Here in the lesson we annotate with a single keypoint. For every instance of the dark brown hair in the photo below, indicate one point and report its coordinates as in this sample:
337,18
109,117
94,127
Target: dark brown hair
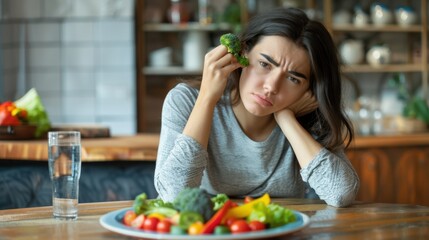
328,122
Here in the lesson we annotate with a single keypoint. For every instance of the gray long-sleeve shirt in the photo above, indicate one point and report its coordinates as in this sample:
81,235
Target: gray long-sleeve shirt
238,166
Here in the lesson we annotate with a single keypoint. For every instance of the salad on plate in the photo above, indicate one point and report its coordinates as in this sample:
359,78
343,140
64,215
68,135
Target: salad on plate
195,212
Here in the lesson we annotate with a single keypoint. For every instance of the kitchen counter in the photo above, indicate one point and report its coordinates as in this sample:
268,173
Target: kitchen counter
140,147
143,147
397,140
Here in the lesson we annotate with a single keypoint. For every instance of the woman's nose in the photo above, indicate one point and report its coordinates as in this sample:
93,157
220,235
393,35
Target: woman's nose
272,83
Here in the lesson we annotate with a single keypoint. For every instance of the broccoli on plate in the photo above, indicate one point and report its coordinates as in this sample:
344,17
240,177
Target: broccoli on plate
195,200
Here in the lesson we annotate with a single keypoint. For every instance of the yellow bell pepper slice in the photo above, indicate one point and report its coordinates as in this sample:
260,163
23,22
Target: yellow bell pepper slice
245,209
156,215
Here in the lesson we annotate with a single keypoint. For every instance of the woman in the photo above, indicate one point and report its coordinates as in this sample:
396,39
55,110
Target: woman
271,127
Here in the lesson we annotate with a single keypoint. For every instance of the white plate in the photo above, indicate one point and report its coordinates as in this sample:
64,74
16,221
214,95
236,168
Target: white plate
113,222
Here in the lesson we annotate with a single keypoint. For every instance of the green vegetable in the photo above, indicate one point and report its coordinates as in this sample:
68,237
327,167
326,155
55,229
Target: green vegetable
36,112
219,230
232,43
232,15
272,214
147,206
194,200
219,200
187,218
177,230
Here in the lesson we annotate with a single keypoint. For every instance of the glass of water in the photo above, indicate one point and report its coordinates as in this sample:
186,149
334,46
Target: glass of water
64,170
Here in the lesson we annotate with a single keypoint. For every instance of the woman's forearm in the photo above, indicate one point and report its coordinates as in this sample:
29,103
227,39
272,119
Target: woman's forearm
199,123
303,144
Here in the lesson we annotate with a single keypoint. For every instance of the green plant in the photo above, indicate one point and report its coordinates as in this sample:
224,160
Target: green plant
232,16
415,106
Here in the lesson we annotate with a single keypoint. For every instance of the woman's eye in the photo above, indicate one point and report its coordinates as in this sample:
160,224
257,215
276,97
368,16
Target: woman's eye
264,64
294,80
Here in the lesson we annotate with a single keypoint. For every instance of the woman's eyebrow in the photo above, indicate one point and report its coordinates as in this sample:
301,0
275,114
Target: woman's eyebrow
298,74
271,60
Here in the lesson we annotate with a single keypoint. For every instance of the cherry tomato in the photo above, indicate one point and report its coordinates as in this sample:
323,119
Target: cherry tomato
150,224
248,199
229,221
239,226
163,226
256,225
129,217
195,228
138,221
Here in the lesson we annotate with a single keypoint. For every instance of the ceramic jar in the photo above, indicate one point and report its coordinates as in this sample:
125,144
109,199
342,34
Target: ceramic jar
378,55
352,51
342,17
381,14
360,18
405,16
195,46
178,12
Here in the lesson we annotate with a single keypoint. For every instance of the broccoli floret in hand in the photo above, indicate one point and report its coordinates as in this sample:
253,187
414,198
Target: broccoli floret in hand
232,43
194,200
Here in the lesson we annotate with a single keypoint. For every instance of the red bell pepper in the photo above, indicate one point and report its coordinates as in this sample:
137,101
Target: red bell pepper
10,115
217,218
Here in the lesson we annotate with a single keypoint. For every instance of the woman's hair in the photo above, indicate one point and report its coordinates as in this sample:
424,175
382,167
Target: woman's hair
328,122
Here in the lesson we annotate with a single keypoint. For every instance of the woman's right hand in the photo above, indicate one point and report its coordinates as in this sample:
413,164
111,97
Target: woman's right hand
218,65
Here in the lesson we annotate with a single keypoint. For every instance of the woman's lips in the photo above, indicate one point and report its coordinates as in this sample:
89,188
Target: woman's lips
262,100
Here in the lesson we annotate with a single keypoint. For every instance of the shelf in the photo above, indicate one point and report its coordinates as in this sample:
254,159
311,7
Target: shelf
192,26
374,28
170,71
384,68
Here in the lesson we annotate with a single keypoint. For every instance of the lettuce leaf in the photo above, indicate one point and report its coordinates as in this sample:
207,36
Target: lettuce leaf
273,214
37,115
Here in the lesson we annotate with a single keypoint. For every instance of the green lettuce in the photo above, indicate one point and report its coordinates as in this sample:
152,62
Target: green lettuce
272,214
37,115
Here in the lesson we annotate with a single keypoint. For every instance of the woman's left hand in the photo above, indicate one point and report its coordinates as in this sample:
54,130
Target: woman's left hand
306,104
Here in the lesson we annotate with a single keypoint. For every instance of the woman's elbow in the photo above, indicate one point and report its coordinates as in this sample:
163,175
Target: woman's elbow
345,196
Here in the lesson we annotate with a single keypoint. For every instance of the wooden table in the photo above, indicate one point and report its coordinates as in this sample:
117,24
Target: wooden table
359,221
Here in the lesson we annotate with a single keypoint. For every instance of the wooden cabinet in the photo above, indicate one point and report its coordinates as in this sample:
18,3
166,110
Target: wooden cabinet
393,170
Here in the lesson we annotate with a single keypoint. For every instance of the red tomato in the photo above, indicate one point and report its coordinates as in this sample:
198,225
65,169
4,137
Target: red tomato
138,221
7,119
163,226
229,221
129,217
256,225
150,224
239,226
248,199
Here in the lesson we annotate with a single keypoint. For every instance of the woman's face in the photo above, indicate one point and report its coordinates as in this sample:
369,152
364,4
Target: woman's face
278,75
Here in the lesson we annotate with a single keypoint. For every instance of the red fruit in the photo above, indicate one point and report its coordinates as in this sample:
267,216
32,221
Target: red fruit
256,225
150,224
239,226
